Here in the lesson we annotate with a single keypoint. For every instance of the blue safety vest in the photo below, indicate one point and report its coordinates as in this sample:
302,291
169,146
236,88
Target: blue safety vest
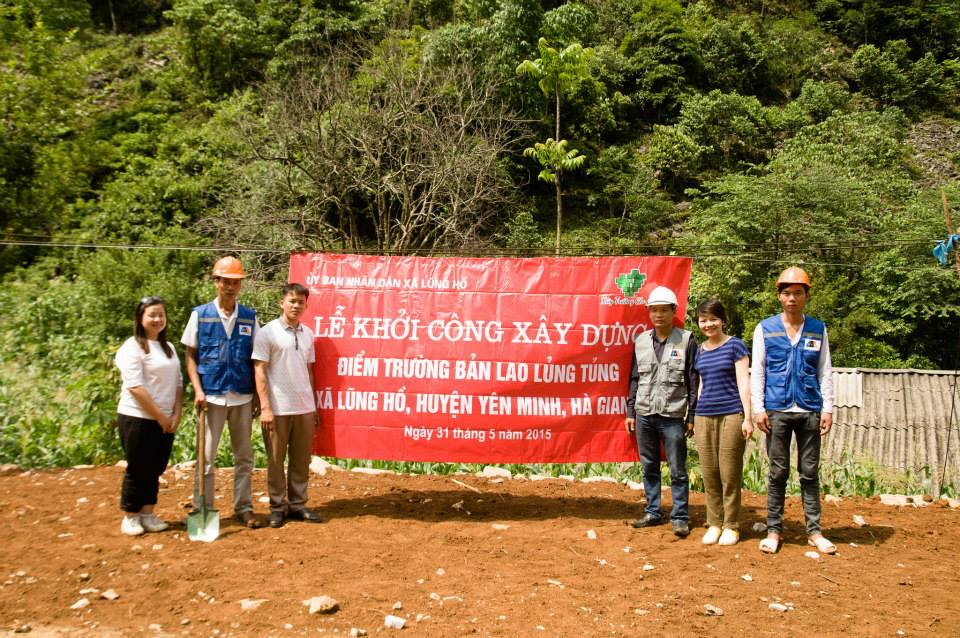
224,364
791,371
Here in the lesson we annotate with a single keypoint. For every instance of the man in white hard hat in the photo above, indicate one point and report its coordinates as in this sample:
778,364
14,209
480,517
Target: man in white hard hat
791,388
219,341
660,407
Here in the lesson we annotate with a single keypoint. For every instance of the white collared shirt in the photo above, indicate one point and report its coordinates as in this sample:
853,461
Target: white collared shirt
289,353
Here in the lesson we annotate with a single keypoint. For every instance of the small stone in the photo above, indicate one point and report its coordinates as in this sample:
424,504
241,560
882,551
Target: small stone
500,526
441,571
263,499
422,617
778,607
710,610
110,595
122,464
185,621
854,545
320,467
22,629
833,499
434,596
633,485
812,554
859,521
157,547
592,535
648,567
494,472
288,626
795,583
640,612
20,573
371,471
747,577
83,576
397,606
89,590
394,622
759,527
457,506
249,604
322,605
80,604
356,631
82,500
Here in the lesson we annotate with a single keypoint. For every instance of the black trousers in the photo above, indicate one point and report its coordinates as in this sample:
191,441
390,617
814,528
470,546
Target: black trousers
147,450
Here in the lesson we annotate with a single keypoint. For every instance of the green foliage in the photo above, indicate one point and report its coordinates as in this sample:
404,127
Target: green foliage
223,41
891,78
554,157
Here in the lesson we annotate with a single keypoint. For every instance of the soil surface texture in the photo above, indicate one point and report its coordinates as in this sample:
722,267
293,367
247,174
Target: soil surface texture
460,556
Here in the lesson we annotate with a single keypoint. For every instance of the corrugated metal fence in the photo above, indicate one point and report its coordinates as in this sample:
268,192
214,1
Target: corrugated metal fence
898,419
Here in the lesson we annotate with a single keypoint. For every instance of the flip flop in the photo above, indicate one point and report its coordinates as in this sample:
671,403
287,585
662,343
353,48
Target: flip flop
770,545
823,545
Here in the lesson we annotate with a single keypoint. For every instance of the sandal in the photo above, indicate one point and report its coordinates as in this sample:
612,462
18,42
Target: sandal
771,544
823,545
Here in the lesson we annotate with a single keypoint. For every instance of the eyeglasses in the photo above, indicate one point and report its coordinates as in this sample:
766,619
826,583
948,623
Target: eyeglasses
151,300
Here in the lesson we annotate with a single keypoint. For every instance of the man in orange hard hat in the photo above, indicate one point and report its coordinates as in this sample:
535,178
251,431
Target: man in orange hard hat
219,340
791,389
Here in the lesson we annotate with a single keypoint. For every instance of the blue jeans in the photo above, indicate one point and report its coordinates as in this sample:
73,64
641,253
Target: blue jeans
806,427
672,431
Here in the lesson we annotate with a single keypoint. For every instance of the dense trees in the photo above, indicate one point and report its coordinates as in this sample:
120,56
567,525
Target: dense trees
748,136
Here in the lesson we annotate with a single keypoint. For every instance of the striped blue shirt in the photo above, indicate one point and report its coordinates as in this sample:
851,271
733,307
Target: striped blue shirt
718,378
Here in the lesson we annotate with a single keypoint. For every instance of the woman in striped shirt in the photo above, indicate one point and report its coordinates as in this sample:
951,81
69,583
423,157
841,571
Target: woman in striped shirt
722,421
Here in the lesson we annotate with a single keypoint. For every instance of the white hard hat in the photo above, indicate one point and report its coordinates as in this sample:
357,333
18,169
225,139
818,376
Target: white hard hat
662,295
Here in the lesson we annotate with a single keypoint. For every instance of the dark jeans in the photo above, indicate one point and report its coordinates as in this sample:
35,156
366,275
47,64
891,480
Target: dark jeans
672,431
806,427
147,450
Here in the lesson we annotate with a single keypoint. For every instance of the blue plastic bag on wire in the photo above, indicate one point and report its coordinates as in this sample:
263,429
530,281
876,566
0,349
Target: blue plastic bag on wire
943,247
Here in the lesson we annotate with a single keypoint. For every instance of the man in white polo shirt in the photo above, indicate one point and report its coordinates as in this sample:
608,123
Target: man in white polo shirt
283,358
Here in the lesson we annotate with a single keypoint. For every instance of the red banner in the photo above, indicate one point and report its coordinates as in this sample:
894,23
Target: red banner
478,360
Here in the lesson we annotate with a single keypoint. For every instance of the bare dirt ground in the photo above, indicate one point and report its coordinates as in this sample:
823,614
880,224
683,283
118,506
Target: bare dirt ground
512,559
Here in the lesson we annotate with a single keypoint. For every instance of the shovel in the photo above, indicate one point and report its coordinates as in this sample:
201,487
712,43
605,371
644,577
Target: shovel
202,524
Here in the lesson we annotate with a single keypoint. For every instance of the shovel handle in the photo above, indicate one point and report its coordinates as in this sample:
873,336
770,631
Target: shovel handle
201,465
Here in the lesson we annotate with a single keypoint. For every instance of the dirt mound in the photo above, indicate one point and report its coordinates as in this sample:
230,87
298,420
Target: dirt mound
513,558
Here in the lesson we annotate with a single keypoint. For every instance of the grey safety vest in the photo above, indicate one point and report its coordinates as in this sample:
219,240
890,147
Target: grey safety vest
661,387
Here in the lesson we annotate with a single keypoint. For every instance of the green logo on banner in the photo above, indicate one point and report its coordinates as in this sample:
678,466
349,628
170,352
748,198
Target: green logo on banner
630,283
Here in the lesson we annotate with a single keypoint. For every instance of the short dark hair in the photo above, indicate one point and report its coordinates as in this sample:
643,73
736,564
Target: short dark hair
712,307
295,288
787,284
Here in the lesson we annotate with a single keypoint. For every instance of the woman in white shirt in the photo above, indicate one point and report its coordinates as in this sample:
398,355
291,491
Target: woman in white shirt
148,414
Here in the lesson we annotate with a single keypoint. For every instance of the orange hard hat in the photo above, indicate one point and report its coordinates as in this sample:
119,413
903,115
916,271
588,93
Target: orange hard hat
793,275
228,268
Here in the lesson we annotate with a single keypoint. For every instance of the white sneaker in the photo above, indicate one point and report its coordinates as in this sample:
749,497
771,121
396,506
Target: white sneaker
152,523
711,536
729,537
131,525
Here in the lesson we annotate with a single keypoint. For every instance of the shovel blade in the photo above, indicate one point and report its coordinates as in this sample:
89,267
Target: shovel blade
203,525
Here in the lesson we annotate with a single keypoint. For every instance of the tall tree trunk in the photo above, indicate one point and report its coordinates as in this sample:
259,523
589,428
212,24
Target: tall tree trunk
557,120
556,179
559,211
